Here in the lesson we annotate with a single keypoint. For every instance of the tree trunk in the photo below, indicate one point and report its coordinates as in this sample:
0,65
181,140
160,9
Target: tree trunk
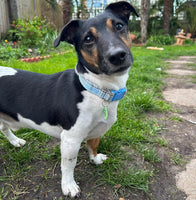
167,14
66,7
145,9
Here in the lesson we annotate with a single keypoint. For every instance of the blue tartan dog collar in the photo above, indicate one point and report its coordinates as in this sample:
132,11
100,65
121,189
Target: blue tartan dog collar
106,94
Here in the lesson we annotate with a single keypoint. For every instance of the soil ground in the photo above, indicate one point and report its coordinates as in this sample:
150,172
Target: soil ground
179,129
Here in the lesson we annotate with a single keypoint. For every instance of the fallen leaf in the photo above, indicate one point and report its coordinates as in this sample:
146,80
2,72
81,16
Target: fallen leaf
118,186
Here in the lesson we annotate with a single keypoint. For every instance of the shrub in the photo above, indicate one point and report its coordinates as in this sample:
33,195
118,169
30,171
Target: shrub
29,32
159,40
189,42
24,35
7,51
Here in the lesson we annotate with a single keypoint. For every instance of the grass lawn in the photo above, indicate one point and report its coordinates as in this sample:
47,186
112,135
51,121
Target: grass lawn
130,144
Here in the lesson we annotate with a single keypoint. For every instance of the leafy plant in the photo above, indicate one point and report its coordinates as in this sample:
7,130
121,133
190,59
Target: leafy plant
7,51
160,40
29,32
27,37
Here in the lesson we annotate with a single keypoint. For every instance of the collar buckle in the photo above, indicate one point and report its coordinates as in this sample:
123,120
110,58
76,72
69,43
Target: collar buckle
117,95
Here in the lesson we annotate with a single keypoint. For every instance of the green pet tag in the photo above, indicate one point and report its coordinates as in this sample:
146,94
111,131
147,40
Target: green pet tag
105,112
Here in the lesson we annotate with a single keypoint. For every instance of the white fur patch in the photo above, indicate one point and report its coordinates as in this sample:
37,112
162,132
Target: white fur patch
91,123
44,127
7,71
114,82
99,158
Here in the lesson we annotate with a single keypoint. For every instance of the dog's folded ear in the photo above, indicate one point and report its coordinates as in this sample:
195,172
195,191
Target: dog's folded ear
122,9
68,33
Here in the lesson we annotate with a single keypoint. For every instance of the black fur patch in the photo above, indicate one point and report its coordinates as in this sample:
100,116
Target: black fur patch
42,98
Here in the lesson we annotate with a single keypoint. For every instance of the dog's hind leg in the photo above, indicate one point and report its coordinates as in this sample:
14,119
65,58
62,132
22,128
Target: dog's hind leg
15,141
92,146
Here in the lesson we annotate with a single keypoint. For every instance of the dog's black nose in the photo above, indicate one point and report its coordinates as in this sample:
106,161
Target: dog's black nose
117,56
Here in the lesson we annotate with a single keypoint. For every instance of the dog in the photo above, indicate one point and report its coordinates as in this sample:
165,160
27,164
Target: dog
78,104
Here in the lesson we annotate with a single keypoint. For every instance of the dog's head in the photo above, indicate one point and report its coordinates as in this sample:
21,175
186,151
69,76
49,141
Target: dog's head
102,43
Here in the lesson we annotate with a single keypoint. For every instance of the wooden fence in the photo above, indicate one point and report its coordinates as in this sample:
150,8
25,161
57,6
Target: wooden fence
4,18
13,9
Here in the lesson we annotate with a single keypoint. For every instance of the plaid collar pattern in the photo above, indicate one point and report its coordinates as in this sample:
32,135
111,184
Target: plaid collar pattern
106,94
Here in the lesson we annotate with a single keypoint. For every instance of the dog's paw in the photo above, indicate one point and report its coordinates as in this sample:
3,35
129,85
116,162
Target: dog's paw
71,189
17,142
99,158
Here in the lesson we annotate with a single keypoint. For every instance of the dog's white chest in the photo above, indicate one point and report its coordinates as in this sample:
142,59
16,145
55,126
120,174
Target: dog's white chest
92,117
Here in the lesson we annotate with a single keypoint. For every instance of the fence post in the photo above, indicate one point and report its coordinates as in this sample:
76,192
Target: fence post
7,14
4,17
35,8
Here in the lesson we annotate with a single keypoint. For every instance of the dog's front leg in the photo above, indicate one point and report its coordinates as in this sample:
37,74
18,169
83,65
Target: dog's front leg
69,151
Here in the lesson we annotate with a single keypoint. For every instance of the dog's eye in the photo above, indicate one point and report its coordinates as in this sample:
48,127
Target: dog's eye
89,39
119,26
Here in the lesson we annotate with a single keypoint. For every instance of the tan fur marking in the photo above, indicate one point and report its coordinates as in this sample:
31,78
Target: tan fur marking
91,59
109,24
94,32
93,144
130,40
127,41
